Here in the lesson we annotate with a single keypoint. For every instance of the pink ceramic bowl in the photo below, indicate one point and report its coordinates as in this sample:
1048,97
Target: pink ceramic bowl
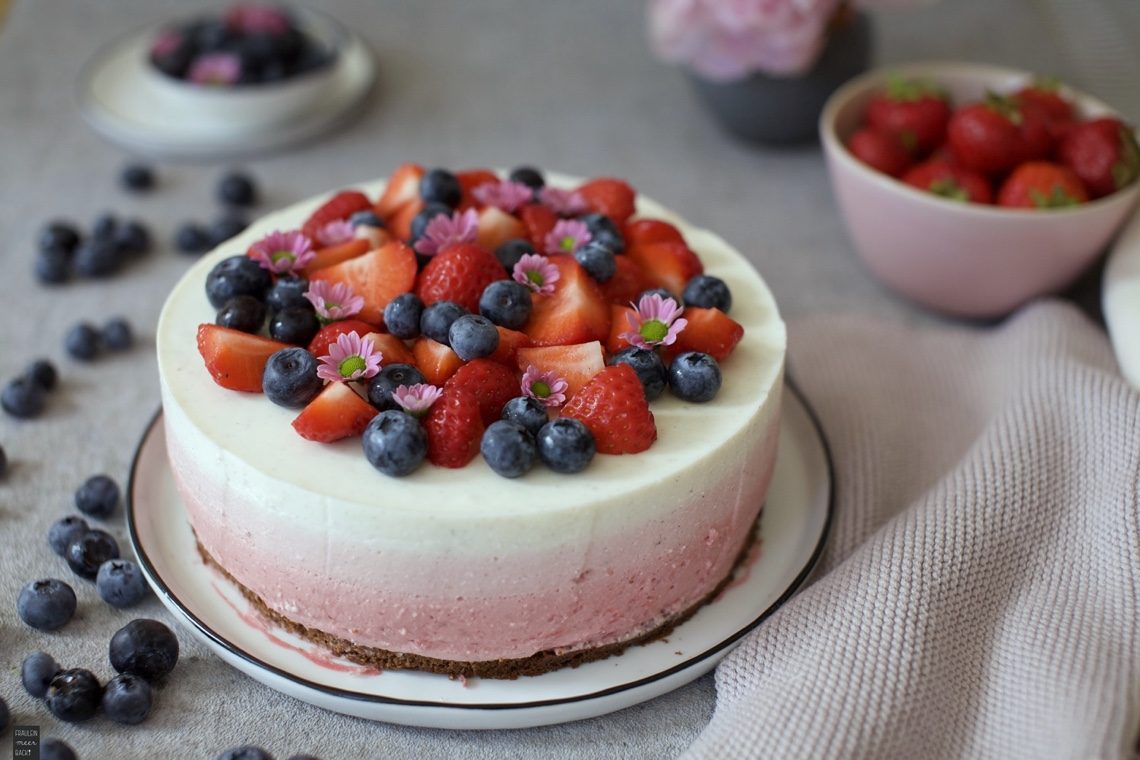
964,259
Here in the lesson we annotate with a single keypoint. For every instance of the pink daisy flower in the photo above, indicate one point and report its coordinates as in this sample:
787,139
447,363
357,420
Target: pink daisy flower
545,387
563,202
335,233
506,195
350,358
443,231
215,69
537,273
416,399
567,236
283,252
333,301
656,322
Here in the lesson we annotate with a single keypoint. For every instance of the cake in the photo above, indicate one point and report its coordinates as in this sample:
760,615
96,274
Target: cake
460,570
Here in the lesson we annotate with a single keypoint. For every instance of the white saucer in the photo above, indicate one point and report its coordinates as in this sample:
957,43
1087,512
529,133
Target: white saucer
793,529
117,98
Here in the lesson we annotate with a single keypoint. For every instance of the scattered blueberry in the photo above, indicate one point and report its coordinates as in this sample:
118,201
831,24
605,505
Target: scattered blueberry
390,377
402,316
430,211
236,276
603,230
46,604
192,237
508,253
64,531
59,235
117,334
74,695
566,445
296,325
290,378
527,175
473,336
36,673
137,177
288,292
508,448
225,227
98,257
56,749
395,443
441,186
243,313
237,189
5,716
22,398
707,292
105,227
694,376
127,699
648,366
3,462
133,238
53,266
82,342
657,291
43,373
366,219
245,752
597,260
88,552
435,322
120,583
507,303
146,648
98,496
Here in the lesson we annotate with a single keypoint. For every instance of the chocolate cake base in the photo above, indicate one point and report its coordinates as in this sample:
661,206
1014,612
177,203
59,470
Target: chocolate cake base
536,664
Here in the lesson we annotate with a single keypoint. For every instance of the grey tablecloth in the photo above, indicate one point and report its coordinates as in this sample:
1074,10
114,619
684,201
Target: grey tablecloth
497,82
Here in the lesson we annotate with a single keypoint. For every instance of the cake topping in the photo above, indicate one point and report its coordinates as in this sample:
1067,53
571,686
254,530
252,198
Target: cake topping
350,358
567,236
283,252
506,195
656,321
336,232
545,387
563,202
444,230
333,301
537,273
215,69
416,399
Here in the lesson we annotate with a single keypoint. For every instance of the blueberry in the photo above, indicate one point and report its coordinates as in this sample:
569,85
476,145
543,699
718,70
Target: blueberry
508,253
435,322
243,313
365,219
707,292
694,376
192,237
117,334
120,583
5,716
74,695
648,366
145,648
46,604
236,276
64,531
402,316
97,257
225,227
237,189
296,325
22,398
3,462
603,230
212,34
98,496
53,266
36,673
82,341
441,186
473,336
133,238
43,373
288,292
430,211
127,699
395,443
597,260
56,749
88,552
290,378
657,291
245,752
137,177
507,303
566,445
390,377
60,235
508,448
527,175
105,227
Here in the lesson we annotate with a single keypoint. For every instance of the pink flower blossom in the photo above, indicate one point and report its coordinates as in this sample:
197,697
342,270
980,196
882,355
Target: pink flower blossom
350,358
166,42
563,202
333,301
335,233
416,399
656,322
215,69
506,195
536,272
258,18
567,236
283,252
444,230
545,387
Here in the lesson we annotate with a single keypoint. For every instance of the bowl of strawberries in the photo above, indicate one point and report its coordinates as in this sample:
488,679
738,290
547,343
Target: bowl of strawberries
972,189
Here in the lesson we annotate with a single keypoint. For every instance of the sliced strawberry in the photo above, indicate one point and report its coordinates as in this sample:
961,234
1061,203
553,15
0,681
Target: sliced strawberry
377,276
576,312
235,359
453,428
403,186
510,341
471,179
619,323
609,196
709,330
651,231
492,384
436,361
327,335
497,226
337,412
392,349
337,208
628,282
667,265
335,254
613,406
539,220
400,222
459,273
576,364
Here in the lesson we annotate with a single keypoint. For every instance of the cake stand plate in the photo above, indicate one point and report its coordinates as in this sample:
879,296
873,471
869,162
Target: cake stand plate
793,529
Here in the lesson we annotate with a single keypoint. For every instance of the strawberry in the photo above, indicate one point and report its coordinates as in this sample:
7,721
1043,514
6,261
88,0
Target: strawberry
628,282
496,227
492,384
950,181
913,112
576,364
575,312
377,276
613,406
510,341
651,231
468,181
337,208
392,349
403,186
709,330
1044,96
609,196
1103,153
436,361
335,254
235,359
400,222
454,428
539,220
337,412
459,273
881,151
618,324
993,136
1040,184
666,265
327,335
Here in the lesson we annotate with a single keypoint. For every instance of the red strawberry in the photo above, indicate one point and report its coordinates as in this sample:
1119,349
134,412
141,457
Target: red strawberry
609,196
709,330
628,282
914,112
337,208
881,151
471,179
435,360
235,359
327,335
575,312
510,341
335,254
337,412
400,221
403,186
651,231
618,324
576,364
377,276
539,220
492,384
950,181
613,406
994,136
453,428
496,227
1103,153
1040,184
459,273
1044,96
666,265
392,349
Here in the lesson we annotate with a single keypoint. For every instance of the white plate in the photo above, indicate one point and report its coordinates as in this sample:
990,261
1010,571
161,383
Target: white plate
116,97
793,529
